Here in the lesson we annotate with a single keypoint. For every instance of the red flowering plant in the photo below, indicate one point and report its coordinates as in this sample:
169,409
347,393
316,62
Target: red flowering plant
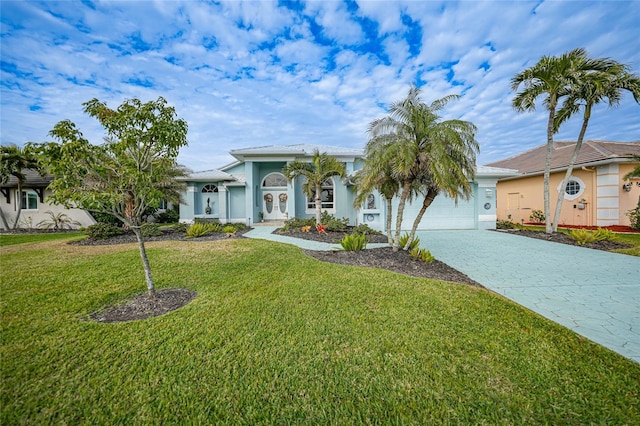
321,229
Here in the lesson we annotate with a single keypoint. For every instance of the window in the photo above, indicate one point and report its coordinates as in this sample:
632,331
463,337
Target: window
326,196
574,189
209,188
29,200
163,205
274,180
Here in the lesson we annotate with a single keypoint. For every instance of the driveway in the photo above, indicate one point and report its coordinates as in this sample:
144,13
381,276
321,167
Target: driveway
594,293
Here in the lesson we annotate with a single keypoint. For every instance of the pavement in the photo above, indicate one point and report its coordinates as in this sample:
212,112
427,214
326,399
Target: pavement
592,292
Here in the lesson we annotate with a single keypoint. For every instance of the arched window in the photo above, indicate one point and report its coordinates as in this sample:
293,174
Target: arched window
326,196
274,180
209,188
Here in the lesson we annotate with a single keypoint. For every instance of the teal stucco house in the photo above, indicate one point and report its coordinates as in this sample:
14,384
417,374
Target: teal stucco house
253,188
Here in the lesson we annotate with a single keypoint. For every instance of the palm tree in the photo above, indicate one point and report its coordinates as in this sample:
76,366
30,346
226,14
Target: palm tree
424,154
551,77
315,173
593,88
13,162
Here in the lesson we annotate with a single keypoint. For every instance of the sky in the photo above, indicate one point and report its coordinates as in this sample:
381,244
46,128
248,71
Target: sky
255,73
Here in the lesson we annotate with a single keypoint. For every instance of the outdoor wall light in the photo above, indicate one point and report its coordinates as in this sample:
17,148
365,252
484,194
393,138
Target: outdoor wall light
627,186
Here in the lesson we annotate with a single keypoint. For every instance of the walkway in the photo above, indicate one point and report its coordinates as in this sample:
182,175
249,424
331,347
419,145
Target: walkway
592,292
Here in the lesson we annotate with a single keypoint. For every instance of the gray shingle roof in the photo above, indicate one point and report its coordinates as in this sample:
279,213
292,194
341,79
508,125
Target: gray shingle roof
33,180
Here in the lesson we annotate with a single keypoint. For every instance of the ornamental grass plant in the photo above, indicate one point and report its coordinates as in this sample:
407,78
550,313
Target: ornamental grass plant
276,337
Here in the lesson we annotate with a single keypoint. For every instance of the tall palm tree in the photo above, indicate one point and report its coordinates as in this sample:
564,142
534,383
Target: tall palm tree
315,173
14,161
425,154
591,89
551,77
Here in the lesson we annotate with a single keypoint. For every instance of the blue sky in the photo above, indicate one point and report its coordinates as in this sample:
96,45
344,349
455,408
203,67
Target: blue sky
246,74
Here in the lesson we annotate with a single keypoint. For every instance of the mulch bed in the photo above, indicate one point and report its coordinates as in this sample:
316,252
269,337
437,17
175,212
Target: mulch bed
142,306
560,237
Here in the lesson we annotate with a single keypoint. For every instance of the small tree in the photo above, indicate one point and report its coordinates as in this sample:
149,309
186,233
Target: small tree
135,168
13,162
321,168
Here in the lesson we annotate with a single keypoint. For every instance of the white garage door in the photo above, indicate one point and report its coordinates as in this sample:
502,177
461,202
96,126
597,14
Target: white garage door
442,214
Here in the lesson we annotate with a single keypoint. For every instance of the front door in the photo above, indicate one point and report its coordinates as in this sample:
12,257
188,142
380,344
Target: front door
274,204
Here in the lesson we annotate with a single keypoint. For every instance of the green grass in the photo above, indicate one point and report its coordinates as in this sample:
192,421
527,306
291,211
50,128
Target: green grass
275,337
10,239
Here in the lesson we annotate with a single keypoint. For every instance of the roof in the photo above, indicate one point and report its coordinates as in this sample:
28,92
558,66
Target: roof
209,176
296,150
487,171
592,151
33,180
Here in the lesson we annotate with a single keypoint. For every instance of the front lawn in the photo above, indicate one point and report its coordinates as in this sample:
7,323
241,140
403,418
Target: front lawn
276,337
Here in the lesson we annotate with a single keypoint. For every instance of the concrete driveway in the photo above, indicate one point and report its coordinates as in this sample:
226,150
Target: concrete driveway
594,293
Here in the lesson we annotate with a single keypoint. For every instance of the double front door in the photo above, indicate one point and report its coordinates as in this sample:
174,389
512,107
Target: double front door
274,204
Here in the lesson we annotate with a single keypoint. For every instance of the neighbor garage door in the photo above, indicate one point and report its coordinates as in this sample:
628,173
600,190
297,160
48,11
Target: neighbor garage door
442,214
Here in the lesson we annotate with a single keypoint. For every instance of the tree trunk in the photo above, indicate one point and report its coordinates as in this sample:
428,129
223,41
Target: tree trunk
389,217
4,220
145,262
428,199
18,204
567,175
547,166
318,200
406,187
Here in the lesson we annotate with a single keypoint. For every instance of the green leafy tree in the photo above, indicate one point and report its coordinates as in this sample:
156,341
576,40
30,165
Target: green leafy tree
134,169
321,168
553,77
424,154
593,87
14,161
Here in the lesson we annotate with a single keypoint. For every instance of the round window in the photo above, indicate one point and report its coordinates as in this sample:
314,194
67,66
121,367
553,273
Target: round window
573,187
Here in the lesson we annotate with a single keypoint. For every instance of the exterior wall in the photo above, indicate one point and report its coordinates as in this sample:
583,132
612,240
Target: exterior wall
29,218
631,199
237,210
602,201
486,203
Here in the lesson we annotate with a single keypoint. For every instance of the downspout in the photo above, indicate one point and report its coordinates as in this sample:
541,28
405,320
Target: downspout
594,210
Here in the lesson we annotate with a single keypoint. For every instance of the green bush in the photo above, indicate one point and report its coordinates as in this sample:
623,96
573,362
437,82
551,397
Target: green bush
168,216
634,217
201,229
332,224
229,229
296,223
239,226
422,255
364,229
149,229
102,231
505,224
181,227
582,236
106,218
354,242
603,234
537,216
403,242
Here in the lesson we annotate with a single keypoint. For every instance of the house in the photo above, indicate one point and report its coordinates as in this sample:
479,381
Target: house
253,188
596,194
34,205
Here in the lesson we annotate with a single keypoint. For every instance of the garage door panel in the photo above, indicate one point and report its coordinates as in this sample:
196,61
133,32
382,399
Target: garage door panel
442,214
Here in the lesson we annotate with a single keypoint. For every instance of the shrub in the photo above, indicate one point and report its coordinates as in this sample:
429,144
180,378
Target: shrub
57,221
168,216
106,218
229,229
102,231
297,223
505,224
239,226
634,217
537,216
582,236
403,242
201,229
422,255
149,229
305,228
603,234
354,242
180,227
332,224
364,229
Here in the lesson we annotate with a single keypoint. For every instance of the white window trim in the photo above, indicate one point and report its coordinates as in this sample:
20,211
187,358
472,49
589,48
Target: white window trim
312,202
262,184
577,194
19,200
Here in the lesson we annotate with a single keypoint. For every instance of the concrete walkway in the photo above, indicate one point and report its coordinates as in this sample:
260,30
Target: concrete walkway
592,292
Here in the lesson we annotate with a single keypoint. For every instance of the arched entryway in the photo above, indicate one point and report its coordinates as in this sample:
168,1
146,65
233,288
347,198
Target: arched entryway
274,197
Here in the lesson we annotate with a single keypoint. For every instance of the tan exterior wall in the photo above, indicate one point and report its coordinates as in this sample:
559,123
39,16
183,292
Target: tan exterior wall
601,202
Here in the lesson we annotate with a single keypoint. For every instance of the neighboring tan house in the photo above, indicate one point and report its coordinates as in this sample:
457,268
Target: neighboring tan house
34,205
253,188
596,194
